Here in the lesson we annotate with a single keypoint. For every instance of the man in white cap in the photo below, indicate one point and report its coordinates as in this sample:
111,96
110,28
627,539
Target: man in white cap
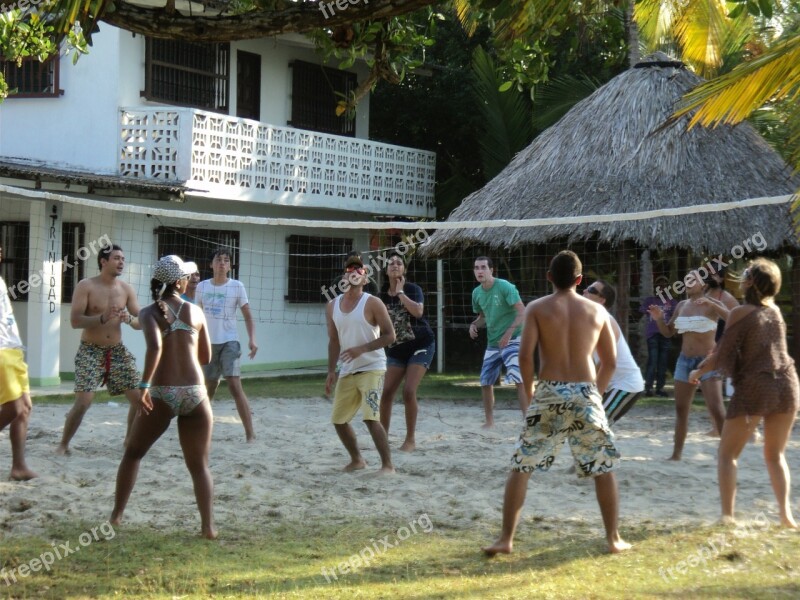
100,305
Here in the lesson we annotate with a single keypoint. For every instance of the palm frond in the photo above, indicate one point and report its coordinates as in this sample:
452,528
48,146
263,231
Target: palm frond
555,98
468,15
656,20
507,116
731,98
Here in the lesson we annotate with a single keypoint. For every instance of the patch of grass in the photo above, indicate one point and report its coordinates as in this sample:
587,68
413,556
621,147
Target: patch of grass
552,559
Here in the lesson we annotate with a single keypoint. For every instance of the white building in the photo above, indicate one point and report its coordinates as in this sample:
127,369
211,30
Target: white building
172,147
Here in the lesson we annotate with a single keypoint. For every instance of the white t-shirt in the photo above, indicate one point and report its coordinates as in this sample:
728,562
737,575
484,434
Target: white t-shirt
9,333
220,303
627,377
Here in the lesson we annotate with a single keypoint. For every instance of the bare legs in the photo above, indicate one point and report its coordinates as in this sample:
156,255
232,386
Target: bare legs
348,437
734,436
16,415
194,431
777,429
684,394
239,397
487,394
394,376
514,498
83,400
712,394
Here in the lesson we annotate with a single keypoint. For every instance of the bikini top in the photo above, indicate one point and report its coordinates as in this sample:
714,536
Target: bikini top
177,324
696,324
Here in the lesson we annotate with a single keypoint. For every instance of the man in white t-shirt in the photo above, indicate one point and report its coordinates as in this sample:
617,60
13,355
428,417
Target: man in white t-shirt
15,397
220,297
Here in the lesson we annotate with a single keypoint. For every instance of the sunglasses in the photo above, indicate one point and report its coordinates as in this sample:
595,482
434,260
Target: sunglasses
354,268
592,290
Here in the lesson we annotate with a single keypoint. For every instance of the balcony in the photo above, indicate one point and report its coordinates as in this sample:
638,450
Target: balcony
240,159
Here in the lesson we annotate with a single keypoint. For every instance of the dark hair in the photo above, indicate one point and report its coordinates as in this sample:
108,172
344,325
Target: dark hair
158,296
391,254
222,251
105,253
713,283
564,269
488,260
608,293
766,281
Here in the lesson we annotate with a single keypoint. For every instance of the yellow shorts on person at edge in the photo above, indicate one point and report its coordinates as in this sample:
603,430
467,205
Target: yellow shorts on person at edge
359,390
13,375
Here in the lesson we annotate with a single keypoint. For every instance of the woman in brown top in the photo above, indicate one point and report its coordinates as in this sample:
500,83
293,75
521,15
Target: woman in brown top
753,351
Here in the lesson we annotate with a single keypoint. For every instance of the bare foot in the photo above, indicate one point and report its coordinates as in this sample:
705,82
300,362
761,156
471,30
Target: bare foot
209,534
251,439
488,425
355,465
386,471
727,520
499,547
618,546
22,474
408,446
675,458
63,450
789,523
115,519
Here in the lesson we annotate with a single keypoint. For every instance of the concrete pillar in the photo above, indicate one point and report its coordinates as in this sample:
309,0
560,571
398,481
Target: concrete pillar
44,298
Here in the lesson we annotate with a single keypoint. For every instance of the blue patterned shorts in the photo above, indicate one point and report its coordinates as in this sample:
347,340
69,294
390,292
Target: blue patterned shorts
566,411
495,358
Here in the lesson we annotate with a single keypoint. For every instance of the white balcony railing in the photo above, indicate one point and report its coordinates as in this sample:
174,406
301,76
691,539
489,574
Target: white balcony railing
233,158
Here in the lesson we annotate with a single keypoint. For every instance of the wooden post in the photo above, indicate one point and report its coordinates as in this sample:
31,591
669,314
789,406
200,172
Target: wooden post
795,254
623,288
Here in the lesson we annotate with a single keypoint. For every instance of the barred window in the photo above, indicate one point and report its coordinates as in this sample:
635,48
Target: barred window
315,263
73,238
14,239
192,74
316,90
197,245
33,79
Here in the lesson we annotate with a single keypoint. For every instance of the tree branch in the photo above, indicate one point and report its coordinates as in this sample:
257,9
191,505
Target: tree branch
299,18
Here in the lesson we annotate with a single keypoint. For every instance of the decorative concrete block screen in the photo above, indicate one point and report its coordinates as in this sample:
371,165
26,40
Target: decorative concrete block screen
240,158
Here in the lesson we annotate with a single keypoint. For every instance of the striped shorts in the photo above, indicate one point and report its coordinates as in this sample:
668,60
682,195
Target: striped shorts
618,402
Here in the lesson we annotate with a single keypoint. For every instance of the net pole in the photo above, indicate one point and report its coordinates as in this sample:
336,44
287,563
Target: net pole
440,316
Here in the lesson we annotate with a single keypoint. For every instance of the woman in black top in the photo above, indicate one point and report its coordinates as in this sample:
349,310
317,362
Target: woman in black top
412,353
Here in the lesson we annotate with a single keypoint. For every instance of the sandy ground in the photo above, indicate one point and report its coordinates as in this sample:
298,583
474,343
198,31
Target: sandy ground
291,472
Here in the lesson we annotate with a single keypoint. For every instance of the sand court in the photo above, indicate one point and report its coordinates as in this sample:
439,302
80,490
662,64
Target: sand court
291,472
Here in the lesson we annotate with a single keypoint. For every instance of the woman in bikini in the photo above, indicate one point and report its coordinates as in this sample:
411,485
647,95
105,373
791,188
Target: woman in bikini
177,344
753,351
696,320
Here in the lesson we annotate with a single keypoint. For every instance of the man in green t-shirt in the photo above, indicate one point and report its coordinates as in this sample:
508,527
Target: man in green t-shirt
500,308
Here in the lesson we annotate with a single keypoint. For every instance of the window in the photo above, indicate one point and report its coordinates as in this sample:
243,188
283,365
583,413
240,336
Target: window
187,73
315,263
14,238
33,79
198,245
315,92
74,269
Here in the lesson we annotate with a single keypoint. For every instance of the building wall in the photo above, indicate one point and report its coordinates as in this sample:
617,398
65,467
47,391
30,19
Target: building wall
80,129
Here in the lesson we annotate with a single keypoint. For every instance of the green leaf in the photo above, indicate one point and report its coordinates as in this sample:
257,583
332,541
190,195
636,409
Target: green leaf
766,8
738,10
506,86
752,8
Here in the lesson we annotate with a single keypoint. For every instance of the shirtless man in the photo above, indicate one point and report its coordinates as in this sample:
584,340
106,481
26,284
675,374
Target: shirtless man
359,328
100,305
567,329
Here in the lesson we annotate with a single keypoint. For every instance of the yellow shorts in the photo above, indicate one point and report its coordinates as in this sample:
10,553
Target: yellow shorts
359,390
13,375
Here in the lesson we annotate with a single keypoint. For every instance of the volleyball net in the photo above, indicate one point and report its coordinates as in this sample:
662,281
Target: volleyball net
291,267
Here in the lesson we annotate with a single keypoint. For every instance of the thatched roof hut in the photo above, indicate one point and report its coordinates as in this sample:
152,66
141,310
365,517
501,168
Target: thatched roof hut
611,154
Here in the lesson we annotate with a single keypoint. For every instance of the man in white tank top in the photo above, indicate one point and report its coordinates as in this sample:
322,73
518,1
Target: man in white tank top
359,328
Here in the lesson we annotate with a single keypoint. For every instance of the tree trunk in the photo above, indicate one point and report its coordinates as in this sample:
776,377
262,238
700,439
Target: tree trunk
633,35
